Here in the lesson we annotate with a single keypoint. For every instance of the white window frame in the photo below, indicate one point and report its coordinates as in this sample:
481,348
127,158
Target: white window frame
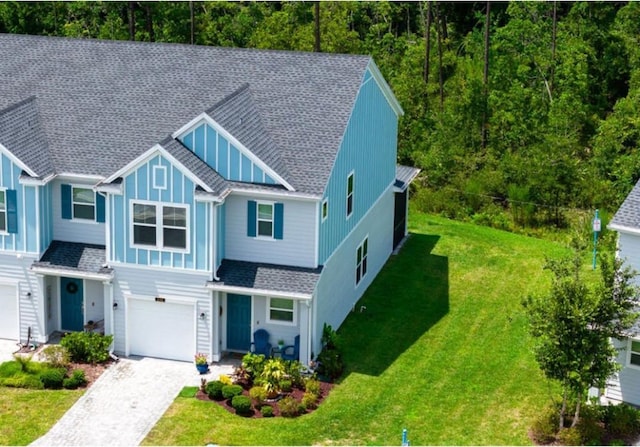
364,261
156,169
323,207
258,220
351,194
6,222
281,322
73,203
160,226
631,351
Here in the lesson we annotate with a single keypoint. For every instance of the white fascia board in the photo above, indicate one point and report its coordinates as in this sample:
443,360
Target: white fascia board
146,156
202,196
276,195
17,161
72,273
71,177
31,181
262,292
385,88
624,229
407,183
204,117
110,188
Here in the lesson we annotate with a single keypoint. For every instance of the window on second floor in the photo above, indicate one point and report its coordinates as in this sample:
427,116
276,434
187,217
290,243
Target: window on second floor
83,203
265,219
325,209
160,226
3,212
634,353
350,187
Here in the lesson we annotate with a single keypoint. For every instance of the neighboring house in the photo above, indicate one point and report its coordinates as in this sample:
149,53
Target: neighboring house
182,197
625,385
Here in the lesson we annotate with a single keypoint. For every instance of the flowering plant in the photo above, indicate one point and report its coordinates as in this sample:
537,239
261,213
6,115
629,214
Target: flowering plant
201,359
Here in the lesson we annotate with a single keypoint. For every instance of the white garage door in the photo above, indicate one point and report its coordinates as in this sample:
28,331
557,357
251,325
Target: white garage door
165,330
9,312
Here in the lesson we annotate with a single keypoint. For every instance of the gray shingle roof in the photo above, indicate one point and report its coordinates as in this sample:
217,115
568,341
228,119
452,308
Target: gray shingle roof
103,103
628,214
276,278
404,176
21,132
74,257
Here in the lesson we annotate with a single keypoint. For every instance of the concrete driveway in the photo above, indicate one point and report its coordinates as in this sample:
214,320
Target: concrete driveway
7,348
126,402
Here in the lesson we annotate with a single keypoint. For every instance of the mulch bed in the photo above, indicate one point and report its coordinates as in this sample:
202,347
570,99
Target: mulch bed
297,394
91,372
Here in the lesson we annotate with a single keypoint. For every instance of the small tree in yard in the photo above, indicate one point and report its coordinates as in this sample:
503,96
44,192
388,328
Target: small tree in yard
573,324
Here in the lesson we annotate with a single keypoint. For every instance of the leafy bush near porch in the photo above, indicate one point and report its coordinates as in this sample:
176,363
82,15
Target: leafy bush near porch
53,378
87,347
56,356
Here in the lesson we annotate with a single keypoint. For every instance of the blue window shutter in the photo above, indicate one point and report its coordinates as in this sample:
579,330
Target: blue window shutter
278,217
65,200
12,211
99,208
251,218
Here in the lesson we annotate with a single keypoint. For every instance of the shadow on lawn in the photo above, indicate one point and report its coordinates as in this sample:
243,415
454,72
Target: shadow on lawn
409,296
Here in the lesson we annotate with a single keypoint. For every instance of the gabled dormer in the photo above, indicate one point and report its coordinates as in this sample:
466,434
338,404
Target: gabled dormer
230,137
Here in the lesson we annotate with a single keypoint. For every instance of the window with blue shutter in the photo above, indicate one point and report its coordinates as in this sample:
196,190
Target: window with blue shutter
100,208
12,211
278,218
65,201
251,218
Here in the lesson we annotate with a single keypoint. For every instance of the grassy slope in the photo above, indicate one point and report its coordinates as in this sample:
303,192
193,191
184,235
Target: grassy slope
441,350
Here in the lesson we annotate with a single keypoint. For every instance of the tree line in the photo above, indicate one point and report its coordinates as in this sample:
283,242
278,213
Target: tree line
516,112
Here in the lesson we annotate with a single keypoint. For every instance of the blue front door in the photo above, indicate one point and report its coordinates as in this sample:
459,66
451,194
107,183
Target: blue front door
71,297
238,322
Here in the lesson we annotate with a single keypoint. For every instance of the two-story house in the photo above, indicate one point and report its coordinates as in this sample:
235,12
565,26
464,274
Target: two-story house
182,197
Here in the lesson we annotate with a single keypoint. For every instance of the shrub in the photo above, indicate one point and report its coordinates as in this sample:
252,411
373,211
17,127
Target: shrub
214,390
267,411
545,426
621,421
286,385
229,391
56,356
87,347
52,377
24,361
590,426
242,404
312,386
569,436
259,394
293,370
77,379
272,374
23,381
330,363
289,407
10,369
309,401
225,379
252,365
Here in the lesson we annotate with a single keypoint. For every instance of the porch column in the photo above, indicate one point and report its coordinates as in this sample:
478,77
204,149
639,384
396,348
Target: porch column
215,326
305,332
43,335
108,309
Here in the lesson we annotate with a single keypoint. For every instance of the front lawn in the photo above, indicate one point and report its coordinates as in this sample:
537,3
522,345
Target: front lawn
25,415
441,350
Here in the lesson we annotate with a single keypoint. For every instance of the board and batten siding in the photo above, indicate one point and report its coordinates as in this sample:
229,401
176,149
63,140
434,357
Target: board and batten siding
228,160
368,149
298,236
337,293
74,230
46,216
25,237
220,236
162,283
178,189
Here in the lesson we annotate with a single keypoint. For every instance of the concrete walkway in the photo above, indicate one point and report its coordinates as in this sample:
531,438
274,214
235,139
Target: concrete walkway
124,404
7,348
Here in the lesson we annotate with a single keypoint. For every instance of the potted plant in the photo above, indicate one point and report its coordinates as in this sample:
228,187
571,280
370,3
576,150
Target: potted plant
280,344
202,365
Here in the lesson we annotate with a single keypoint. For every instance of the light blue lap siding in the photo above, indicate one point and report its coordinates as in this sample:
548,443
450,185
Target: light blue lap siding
176,189
369,150
222,156
26,237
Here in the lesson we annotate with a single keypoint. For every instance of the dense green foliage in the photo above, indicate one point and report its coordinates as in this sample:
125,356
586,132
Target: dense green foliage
553,128
87,347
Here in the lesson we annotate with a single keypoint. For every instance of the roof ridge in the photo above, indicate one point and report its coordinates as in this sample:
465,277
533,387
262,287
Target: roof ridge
228,98
18,104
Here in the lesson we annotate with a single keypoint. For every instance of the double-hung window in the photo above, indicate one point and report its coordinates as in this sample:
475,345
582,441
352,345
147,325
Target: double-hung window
265,219
281,310
83,201
160,226
634,353
350,186
325,209
3,212
361,260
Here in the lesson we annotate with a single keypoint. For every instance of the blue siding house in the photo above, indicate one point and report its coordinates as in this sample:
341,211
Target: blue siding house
183,197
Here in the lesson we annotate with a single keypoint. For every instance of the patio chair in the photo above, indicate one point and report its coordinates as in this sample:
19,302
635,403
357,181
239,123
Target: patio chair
292,352
260,344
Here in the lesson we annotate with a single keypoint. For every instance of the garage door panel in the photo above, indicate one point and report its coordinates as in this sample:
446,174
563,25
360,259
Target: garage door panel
8,312
165,330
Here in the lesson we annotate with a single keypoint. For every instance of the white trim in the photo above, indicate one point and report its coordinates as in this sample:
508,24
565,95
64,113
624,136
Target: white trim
624,229
275,195
207,197
107,224
37,205
173,299
194,123
628,360
15,284
353,194
52,271
213,247
262,292
10,155
71,177
294,312
362,259
156,169
384,87
159,226
316,237
122,264
273,220
5,232
322,205
95,204
35,181
109,188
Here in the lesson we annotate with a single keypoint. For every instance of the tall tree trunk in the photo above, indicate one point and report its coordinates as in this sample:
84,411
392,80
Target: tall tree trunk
576,416
192,34
132,20
563,409
149,17
485,77
316,28
553,47
441,74
427,43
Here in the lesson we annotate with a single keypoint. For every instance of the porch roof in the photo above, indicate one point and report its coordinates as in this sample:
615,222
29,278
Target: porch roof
74,259
404,176
268,279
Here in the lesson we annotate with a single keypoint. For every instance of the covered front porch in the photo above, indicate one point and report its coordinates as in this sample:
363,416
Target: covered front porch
76,289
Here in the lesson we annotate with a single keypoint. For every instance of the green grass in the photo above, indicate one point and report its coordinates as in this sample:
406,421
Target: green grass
442,350
25,415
